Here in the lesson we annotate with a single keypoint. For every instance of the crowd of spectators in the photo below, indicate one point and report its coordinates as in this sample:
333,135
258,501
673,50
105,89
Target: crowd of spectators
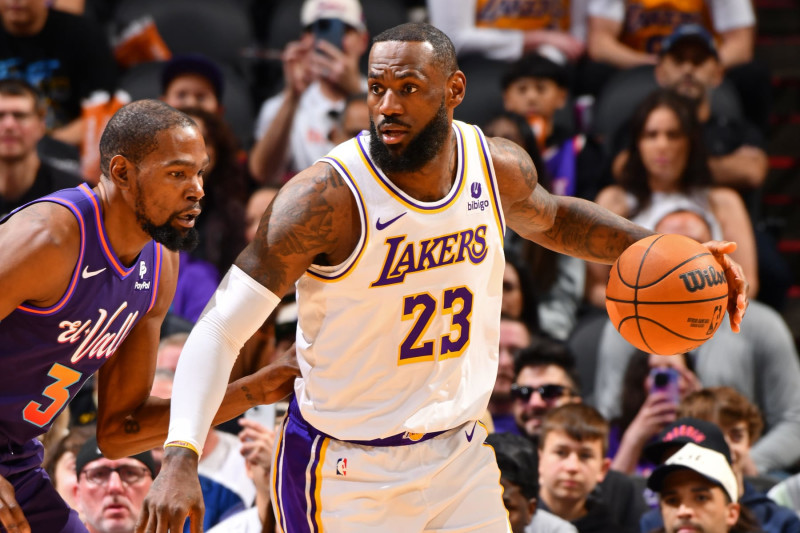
655,110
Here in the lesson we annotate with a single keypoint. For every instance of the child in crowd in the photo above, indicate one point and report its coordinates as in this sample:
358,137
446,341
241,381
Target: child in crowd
537,88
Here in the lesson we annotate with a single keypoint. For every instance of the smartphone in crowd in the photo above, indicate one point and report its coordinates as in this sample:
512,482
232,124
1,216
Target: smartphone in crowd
263,414
331,30
665,379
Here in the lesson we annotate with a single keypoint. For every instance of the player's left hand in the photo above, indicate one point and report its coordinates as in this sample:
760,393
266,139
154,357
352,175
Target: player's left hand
174,495
738,286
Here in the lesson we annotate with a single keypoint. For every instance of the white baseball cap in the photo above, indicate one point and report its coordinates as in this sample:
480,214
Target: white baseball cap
348,11
710,464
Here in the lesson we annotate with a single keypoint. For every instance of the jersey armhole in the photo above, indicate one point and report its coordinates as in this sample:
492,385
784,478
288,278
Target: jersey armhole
340,271
43,311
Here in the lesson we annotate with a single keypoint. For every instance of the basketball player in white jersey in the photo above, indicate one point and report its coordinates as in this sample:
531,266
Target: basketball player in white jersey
395,242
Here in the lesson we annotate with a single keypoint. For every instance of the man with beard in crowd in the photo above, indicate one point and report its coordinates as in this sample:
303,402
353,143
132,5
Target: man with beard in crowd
87,277
395,242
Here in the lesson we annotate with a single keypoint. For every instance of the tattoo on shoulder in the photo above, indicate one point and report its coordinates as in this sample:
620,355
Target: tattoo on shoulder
303,226
511,153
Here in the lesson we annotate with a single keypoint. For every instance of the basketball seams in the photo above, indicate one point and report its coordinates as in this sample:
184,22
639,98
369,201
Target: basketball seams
636,308
662,326
673,302
636,291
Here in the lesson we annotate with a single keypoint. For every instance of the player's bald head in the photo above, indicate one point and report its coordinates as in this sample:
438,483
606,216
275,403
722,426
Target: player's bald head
133,130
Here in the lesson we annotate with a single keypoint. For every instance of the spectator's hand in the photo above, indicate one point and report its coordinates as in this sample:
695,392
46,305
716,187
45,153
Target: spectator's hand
331,64
656,412
297,71
737,283
749,467
257,443
566,43
690,382
10,512
174,495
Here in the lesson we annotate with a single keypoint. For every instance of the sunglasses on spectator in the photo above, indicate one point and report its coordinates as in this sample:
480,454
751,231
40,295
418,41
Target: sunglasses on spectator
129,474
547,392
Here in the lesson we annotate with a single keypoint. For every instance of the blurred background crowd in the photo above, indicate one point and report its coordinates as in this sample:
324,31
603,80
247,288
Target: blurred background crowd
680,115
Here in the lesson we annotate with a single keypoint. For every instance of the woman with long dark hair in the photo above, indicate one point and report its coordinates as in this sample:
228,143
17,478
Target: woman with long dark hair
666,170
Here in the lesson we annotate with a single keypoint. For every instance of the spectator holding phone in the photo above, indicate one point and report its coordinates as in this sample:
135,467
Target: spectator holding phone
320,71
653,388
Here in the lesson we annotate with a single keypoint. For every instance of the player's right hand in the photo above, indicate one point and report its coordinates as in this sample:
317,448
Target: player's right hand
10,512
174,495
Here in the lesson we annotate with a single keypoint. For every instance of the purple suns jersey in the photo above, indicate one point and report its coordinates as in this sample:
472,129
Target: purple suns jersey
48,353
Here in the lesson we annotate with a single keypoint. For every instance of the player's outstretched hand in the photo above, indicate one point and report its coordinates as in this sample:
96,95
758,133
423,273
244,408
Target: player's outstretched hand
10,512
737,283
174,495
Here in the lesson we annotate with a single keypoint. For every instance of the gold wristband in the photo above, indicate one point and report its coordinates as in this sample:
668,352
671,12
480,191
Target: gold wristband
181,444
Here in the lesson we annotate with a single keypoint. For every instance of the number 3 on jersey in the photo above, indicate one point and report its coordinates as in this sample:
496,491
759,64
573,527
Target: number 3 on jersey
57,391
456,301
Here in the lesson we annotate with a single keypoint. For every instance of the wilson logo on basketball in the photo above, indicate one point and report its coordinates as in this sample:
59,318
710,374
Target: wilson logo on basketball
699,279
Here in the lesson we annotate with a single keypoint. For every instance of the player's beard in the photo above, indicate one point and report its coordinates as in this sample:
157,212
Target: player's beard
167,234
420,150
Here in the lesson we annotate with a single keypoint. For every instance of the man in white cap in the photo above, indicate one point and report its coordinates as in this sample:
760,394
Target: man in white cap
320,71
698,492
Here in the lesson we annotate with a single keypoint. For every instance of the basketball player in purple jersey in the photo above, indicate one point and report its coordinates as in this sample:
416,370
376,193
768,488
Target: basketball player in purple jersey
394,241
87,276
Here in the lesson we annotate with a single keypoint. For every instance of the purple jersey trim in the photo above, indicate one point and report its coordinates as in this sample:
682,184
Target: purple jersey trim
400,439
121,271
492,177
157,276
297,479
447,200
74,281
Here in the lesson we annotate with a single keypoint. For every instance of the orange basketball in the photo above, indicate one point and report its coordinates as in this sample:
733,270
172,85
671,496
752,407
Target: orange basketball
666,294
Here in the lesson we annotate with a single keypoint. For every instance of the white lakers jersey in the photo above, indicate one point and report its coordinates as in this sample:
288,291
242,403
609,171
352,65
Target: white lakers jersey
403,336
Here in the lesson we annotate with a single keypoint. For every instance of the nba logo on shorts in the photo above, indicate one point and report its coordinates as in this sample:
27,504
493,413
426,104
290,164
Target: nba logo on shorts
475,190
142,269
341,467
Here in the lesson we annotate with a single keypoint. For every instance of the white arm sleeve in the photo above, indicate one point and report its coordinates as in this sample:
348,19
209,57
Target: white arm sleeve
238,308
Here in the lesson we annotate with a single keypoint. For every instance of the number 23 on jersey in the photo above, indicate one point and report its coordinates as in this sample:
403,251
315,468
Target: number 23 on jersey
417,345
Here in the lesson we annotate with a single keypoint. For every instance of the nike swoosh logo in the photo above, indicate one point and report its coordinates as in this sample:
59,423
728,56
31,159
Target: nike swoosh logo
383,225
86,274
471,433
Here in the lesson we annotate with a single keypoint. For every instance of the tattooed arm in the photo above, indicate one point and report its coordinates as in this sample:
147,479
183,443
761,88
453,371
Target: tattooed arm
565,224
313,219
130,420
584,229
